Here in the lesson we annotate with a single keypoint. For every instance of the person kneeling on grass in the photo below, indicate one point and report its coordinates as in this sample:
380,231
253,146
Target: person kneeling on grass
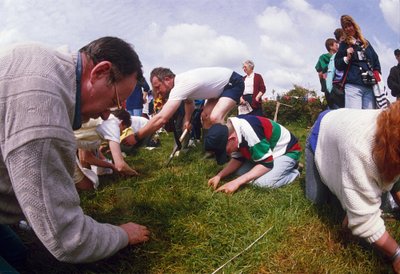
262,151
89,138
355,155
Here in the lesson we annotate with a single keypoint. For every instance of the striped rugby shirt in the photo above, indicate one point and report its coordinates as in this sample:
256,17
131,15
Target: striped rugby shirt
260,140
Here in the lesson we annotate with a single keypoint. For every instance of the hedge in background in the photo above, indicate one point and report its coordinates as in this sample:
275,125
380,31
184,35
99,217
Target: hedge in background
304,107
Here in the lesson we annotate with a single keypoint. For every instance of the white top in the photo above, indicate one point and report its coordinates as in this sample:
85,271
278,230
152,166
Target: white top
344,160
109,129
249,84
138,122
200,83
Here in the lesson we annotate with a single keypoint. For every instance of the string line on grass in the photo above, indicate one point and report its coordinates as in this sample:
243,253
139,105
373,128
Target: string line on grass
240,253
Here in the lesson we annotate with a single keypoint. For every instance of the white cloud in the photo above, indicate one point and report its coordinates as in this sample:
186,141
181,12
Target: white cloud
200,45
391,13
288,41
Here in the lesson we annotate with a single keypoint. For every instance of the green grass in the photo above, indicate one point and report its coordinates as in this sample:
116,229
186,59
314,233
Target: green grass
194,230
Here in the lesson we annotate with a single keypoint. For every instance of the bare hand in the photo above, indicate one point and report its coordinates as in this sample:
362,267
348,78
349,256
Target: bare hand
229,188
350,52
242,101
214,181
136,233
187,126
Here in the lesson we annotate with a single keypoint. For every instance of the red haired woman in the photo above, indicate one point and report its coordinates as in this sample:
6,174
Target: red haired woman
355,155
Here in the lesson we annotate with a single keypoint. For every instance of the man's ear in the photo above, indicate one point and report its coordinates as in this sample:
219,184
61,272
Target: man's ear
101,70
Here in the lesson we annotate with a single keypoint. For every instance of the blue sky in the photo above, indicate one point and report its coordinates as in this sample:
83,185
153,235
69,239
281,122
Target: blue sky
283,38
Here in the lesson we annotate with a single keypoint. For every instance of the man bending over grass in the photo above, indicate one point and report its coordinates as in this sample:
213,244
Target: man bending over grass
262,151
222,88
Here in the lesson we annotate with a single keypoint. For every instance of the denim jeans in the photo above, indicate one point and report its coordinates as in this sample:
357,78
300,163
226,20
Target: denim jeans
283,172
316,191
359,97
135,112
12,250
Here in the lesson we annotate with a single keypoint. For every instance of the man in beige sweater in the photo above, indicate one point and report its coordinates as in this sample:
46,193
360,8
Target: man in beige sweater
44,95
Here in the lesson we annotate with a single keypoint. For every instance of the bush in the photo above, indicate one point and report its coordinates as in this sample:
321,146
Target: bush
299,105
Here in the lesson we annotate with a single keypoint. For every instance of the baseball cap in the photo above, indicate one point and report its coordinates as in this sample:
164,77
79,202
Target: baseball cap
397,52
216,140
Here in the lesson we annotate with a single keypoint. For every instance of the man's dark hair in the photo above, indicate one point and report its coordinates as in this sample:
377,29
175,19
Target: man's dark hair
161,73
123,116
123,57
329,42
397,52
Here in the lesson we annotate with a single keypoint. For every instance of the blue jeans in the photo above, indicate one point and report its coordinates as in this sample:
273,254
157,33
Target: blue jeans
359,97
135,112
12,250
316,191
283,172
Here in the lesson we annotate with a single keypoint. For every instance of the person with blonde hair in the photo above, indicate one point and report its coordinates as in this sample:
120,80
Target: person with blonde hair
360,63
357,168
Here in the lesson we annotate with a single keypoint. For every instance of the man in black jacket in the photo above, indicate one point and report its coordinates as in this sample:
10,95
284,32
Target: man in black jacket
393,80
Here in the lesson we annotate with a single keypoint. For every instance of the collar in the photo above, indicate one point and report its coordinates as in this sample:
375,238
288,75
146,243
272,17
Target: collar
236,126
77,116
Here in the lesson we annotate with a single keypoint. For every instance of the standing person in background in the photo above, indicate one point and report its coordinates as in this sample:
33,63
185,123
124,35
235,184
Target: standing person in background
254,88
148,106
321,67
358,56
138,97
44,95
393,80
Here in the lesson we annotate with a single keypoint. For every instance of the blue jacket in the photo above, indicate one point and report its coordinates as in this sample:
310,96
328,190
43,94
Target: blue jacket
357,62
135,100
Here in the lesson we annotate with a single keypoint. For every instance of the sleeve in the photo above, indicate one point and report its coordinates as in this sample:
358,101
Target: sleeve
41,175
145,86
376,65
361,198
364,215
341,53
393,82
261,153
318,67
261,87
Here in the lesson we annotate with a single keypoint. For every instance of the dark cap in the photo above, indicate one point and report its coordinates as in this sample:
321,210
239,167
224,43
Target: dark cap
397,52
216,140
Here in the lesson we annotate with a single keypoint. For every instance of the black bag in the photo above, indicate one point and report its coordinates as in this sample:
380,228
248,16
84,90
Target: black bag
337,94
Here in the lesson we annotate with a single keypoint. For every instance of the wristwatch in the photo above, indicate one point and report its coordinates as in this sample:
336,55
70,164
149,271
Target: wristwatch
136,135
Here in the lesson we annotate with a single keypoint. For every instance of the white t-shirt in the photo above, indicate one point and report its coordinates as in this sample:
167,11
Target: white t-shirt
201,83
109,129
138,122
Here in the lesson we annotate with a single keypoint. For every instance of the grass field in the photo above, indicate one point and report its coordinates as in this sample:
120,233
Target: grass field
195,230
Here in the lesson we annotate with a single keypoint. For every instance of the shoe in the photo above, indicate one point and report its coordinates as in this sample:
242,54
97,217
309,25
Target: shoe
191,143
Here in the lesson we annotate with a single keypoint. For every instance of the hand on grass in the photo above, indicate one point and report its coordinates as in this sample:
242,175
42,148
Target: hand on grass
229,188
214,181
136,233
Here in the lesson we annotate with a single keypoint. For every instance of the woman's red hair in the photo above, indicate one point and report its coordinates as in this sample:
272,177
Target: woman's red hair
386,151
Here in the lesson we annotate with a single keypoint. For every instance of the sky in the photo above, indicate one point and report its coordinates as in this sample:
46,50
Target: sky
283,38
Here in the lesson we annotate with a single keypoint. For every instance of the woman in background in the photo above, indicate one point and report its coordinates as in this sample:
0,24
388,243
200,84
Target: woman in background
358,59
